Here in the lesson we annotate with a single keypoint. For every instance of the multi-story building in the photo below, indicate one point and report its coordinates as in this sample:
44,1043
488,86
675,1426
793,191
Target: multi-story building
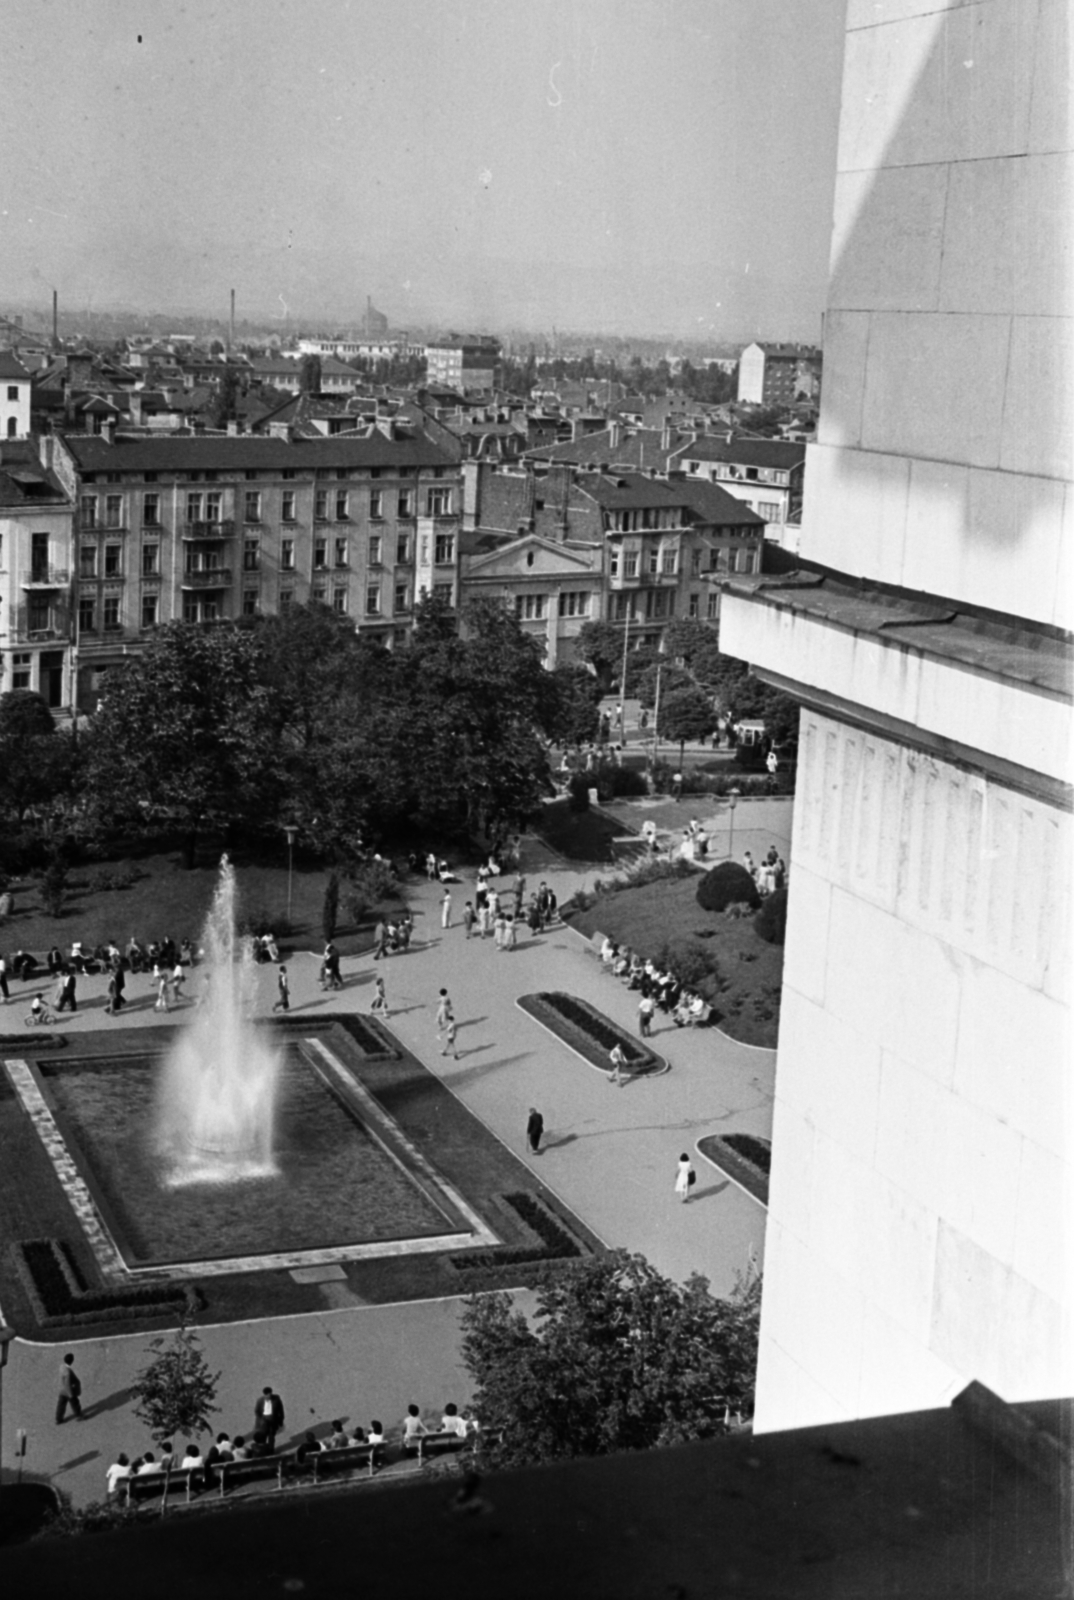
777,374
208,527
919,1229
464,363
552,586
14,397
36,580
766,474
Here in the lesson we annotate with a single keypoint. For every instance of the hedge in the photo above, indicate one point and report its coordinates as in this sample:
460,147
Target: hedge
556,1242
770,923
59,1296
728,884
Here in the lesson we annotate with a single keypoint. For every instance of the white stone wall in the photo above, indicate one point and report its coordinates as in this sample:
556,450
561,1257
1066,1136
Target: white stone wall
918,1229
751,375
944,450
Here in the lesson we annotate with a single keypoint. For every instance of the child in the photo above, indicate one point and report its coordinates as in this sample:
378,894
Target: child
380,999
284,1001
449,1039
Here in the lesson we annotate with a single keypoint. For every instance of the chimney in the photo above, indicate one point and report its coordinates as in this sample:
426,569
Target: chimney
108,430
615,432
665,437
233,429
279,430
231,324
55,319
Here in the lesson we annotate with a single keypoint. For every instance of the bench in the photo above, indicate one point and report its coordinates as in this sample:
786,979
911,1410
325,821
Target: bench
432,1444
351,1455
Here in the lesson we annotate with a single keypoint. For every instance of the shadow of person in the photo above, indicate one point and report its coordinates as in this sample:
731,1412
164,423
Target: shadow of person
713,1188
109,1402
559,1141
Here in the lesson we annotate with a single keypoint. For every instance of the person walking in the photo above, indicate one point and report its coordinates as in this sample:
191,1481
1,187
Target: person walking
646,1008
283,999
67,991
268,1417
468,918
160,977
380,939
70,1390
534,1130
449,1047
510,933
618,1061
3,980
685,1178
379,1002
445,909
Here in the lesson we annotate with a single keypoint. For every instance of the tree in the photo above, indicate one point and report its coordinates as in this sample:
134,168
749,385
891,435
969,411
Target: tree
309,375
223,408
686,714
37,762
572,715
601,644
620,1358
175,1393
183,734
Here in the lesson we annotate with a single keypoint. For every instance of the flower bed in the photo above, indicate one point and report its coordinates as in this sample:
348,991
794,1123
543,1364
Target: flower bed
59,1296
551,1240
741,1157
589,1033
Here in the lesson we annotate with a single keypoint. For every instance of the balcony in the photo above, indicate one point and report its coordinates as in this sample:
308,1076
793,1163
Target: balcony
210,530
40,625
643,580
42,577
207,578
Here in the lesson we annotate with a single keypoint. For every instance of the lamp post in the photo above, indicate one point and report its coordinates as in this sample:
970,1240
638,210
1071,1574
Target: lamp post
290,830
6,1336
623,682
733,797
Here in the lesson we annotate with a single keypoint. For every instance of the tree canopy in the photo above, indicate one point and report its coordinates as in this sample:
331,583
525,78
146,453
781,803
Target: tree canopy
36,761
618,1358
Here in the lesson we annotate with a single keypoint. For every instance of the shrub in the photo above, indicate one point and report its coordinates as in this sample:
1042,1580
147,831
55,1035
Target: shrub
258,920
330,906
58,1293
368,886
724,885
54,887
626,782
578,792
751,1149
770,923
689,963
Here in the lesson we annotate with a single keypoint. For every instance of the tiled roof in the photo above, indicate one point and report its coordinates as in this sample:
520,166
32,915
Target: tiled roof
632,492
24,482
11,366
196,452
710,503
742,452
639,449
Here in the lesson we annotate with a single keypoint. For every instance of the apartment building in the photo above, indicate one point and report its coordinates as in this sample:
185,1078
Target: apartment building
767,474
203,528
36,540
778,374
463,363
14,397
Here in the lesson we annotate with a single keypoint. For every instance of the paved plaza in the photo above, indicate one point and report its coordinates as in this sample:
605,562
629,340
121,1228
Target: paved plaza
610,1155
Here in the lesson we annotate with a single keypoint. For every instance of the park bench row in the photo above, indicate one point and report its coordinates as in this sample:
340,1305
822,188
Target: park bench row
285,1465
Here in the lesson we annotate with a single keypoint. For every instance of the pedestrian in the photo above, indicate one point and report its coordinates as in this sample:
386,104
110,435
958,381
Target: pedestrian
268,1417
500,929
676,785
685,1178
445,909
510,934
70,1390
645,1015
483,918
283,1001
178,979
114,998
379,1001
160,977
67,991
534,1130
380,939
430,867
618,1061
468,918
3,979
449,1039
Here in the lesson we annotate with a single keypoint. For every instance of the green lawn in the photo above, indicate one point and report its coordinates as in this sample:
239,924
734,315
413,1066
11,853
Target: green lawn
583,835
746,993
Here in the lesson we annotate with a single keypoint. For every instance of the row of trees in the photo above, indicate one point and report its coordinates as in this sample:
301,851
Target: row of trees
297,719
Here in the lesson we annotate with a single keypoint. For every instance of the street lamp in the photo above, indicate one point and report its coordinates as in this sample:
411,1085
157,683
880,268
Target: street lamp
6,1336
290,830
733,797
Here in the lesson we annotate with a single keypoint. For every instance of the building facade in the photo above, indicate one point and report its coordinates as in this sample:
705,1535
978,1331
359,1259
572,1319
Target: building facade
36,577
14,397
463,363
766,474
919,1229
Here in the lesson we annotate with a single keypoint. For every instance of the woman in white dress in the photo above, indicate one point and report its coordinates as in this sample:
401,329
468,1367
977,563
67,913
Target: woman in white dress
684,1178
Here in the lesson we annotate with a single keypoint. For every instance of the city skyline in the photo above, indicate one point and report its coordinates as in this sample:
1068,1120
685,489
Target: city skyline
631,167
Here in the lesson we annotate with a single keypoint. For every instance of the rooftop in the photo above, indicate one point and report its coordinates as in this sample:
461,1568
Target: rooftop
199,451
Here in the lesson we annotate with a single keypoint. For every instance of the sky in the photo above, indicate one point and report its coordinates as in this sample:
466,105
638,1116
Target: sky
639,166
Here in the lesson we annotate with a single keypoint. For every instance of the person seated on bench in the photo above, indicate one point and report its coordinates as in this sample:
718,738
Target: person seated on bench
310,1446
357,1437
413,1428
220,1451
148,1464
239,1449
621,964
337,1439
168,1462
451,1422
700,1011
117,1473
375,1435
608,952
193,1463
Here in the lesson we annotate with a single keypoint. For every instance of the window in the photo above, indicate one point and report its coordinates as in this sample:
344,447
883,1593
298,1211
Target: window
694,606
444,552
12,427
39,617
530,607
574,603
341,552
89,510
287,555
654,560
249,602
194,504
667,562
339,600
190,608
286,598
320,554
150,477
213,505
87,616
624,607
287,510
251,555
406,502
769,510
342,472
111,560
319,594
372,601
443,592
613,562
376,503
111,613
630,564
253,505
320,505
713,608
150,603
20,670
375,543
402,597
656,603
150,560
402,548
13,391
151,510
250,475
341,506
287,474
438,502
87,561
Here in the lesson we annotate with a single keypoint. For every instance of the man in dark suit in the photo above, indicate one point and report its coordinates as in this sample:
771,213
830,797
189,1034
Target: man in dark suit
268,1417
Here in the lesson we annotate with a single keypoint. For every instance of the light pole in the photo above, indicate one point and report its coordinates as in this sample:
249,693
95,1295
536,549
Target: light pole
6,1336
733,797
622,681
290,830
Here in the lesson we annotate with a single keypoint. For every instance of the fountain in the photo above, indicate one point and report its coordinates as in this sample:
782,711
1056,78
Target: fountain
215,1110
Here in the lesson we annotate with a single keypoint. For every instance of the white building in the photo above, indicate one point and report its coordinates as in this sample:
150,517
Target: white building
14,397
919,1226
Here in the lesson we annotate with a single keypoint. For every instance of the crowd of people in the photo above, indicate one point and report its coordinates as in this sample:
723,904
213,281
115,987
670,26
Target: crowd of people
769,874
660,989
164,961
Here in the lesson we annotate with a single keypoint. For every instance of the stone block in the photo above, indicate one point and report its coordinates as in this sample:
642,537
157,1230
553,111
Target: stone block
788,1396
887,240
893,1267
978,1173
912,1113
1042,1234
791,1179
830,1075
1038,408
813,1310
882,67
846,342
899,1372
1006,237
1013,1055
806,950
937,528
855,510
874,13
934,387
1049,115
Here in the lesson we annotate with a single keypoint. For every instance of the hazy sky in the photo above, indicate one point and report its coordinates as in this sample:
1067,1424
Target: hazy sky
642,165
